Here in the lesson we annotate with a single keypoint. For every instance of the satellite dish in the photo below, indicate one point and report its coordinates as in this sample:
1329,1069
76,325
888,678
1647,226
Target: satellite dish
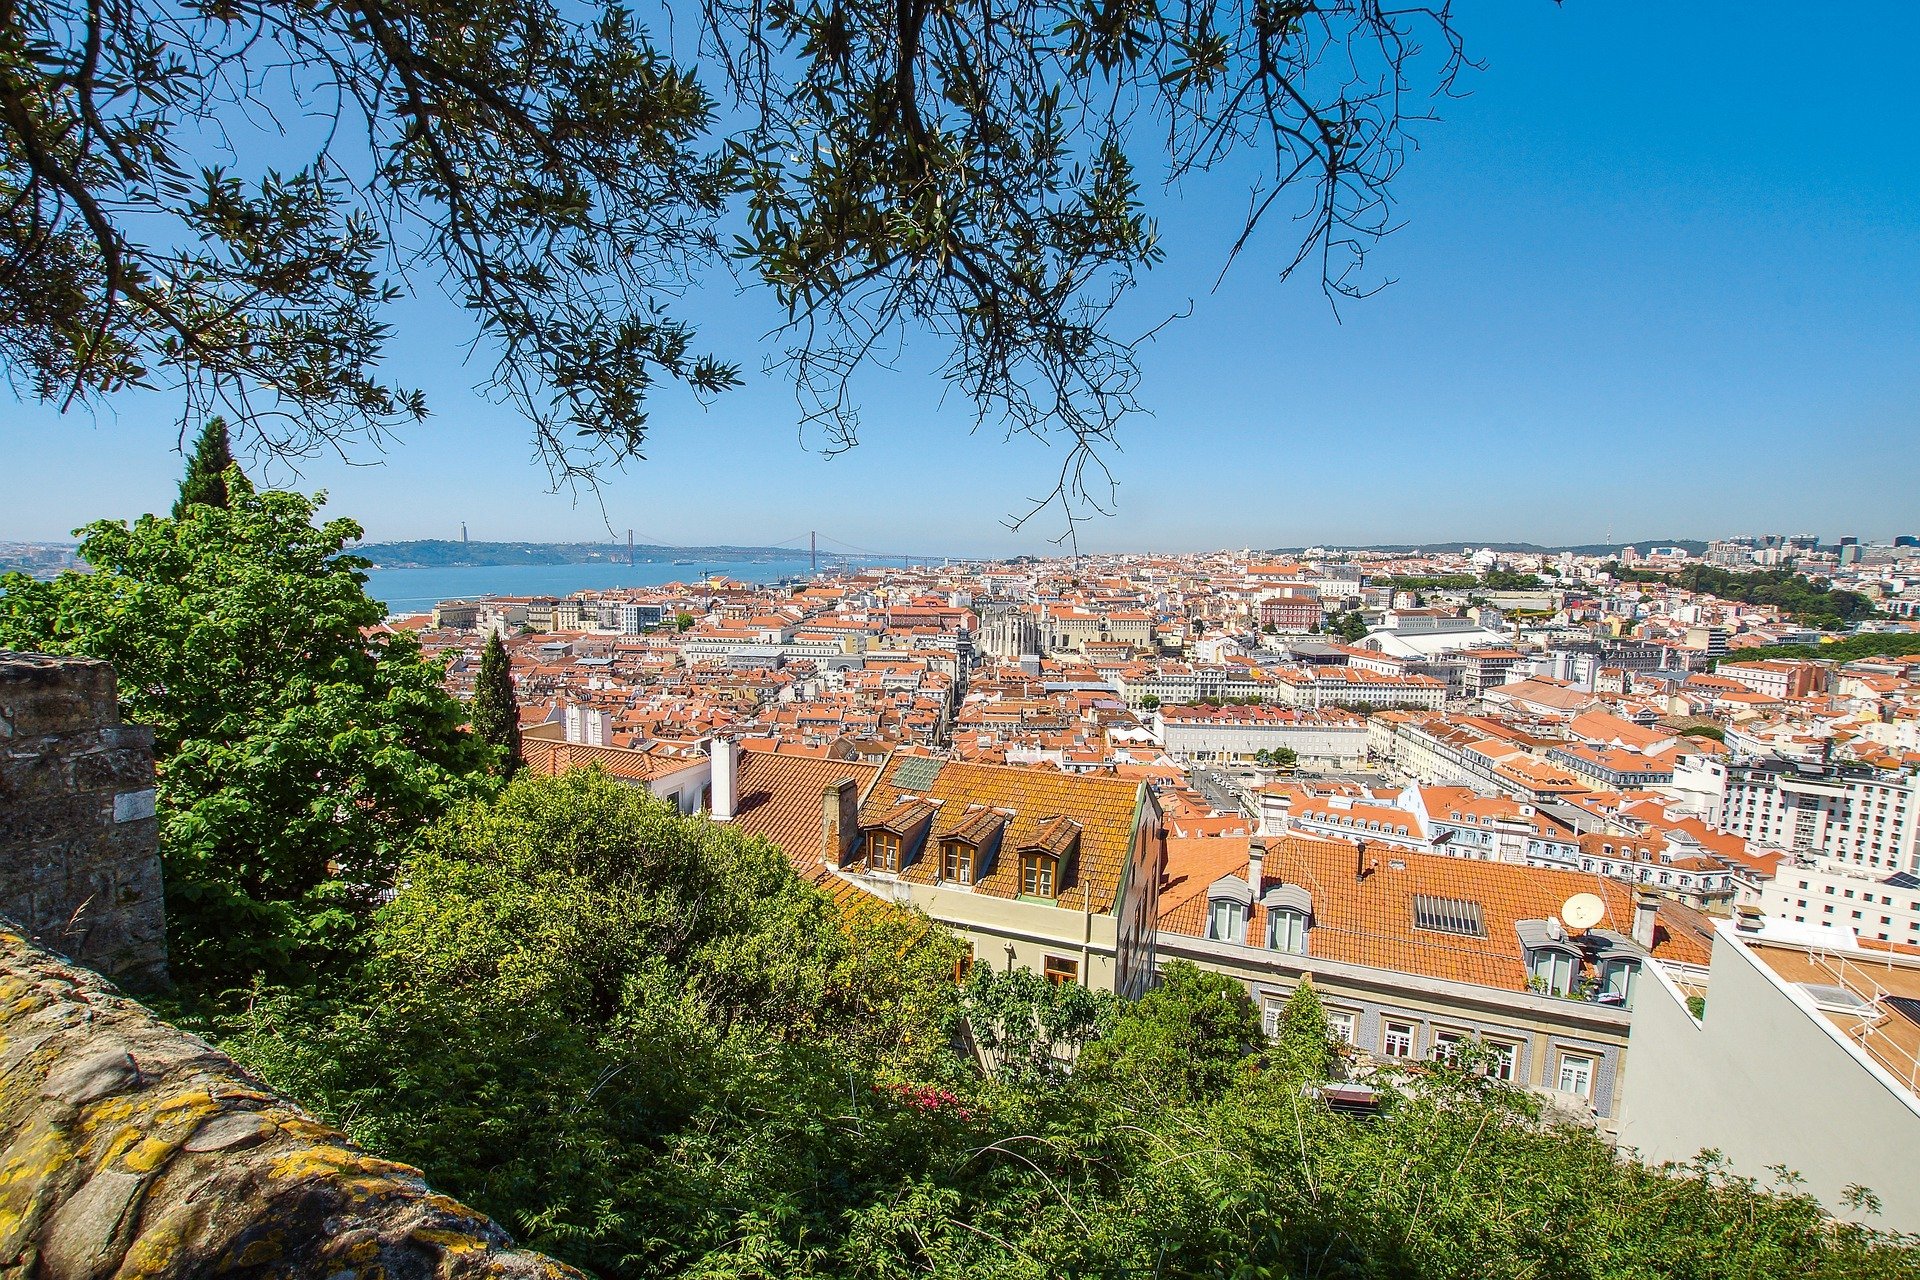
1583,910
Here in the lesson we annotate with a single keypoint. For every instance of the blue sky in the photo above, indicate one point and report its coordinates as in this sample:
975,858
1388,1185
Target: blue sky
1660,277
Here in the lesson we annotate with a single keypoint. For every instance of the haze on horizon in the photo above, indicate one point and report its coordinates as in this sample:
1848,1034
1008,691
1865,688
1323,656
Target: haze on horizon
1640,291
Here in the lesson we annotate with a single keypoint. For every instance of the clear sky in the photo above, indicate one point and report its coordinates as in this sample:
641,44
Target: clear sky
1660,277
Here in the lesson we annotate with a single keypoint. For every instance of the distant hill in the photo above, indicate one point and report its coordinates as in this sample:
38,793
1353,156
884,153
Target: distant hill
440,553
1690,545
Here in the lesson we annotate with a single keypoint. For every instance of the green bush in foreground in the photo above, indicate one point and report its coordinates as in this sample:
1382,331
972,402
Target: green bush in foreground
644,1044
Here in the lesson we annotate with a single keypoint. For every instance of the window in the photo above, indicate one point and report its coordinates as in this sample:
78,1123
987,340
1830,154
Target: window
1038,874
1617,979
1576,1074
1287,931
1458,916
1506,1060
956,862
1060,971
1226,921
1551,971
1397,1040
1340,1025
883,851
1446,1045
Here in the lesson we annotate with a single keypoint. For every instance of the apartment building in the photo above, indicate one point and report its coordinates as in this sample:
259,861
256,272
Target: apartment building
1820,891
1327,739
1806,1056
1413,954
1047,871
1351,686
1851,814
1777,679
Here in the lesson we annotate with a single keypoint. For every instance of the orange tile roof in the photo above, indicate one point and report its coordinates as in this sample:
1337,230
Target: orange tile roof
1370,922
1048,809
781,797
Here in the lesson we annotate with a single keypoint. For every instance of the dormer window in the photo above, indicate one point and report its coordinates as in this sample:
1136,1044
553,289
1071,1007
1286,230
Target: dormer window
1287,931
956,861
1226,920
1617,978
1552,970
883,851
1039,875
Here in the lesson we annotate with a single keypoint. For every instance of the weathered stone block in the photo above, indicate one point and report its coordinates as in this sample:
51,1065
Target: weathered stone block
130,1148
79,865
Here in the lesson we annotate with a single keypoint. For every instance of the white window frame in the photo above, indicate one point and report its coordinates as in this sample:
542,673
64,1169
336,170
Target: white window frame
1387,1037
1580,1069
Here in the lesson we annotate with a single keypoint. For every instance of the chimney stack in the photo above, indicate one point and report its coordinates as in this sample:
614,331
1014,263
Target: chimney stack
725,784
1646,910
1256,864
840,814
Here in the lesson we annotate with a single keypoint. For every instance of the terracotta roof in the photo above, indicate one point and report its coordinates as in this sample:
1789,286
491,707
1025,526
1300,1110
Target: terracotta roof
1049,810
782,797
1371,922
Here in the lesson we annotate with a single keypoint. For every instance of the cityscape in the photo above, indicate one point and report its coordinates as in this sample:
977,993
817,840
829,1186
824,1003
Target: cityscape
917,641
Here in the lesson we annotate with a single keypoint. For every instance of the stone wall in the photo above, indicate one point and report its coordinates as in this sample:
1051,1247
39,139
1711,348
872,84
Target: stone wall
131,1149
78,863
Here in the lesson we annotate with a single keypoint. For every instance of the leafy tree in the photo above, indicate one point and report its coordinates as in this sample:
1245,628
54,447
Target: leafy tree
973,172
1150,702
496,709
299,752
624,1032
1029,1029
1810,601
210,470
1303,1049
1350,627
1890,644
1186,1040
644,1044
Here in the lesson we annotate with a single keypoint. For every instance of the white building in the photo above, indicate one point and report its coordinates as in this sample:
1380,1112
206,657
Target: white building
1328,739
1824,892
1866,818
1804,1056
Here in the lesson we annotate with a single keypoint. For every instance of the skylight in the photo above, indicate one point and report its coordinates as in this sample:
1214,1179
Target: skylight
1458,916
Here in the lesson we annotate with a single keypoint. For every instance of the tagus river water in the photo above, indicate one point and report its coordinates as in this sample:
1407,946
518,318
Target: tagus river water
418,590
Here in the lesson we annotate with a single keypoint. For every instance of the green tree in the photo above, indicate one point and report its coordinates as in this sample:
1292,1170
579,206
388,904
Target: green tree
627,1032
496,710
1150,702
1029,1029
641,1041
210,470
1186,1040
1303,1048
299,749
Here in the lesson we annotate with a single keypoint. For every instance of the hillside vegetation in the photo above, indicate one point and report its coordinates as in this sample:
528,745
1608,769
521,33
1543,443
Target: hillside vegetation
1811,602
641,1041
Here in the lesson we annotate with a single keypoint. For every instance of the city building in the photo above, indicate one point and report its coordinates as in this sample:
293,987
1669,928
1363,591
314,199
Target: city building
1804,1056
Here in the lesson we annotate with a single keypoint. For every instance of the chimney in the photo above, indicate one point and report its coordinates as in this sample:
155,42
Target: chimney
1646,909
840,812
1256,864
726,777
1359,860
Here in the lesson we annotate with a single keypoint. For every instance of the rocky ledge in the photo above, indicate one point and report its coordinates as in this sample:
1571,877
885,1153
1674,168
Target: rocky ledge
131,1149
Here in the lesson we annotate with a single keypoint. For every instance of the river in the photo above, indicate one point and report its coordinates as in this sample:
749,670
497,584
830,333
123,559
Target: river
418,590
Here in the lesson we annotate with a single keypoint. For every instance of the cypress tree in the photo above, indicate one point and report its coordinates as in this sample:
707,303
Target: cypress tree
205,483
495,711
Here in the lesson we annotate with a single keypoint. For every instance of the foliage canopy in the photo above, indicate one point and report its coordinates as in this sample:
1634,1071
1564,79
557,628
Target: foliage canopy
564,171
299,753
641,1041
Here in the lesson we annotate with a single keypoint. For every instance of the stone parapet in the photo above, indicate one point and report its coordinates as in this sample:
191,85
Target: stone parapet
131,1149
79,867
